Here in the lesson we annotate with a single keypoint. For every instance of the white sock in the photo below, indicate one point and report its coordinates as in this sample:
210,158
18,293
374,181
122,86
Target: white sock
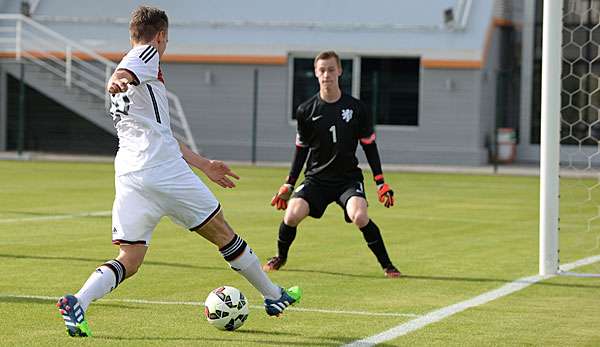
101,282
242,259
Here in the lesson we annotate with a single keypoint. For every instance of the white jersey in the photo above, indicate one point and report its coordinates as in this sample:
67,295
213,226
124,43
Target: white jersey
141,115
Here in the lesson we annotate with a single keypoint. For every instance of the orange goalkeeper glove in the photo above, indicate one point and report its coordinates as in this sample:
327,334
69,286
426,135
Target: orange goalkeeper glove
386,195
283,195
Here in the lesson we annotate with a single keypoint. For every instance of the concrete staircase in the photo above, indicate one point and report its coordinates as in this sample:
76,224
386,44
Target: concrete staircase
76,99
68,72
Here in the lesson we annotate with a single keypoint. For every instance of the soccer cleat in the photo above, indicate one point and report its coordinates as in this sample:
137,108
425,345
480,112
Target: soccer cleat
288,297
392,272
274,264
72,313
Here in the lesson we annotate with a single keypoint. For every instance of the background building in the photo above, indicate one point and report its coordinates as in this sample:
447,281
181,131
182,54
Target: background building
440,76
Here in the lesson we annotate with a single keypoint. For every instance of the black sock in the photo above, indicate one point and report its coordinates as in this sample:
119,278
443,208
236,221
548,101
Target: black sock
287,234
375,242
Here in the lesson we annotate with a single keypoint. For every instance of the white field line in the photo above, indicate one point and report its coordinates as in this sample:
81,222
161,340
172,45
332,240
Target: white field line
577,274
56,217
438,315
201,304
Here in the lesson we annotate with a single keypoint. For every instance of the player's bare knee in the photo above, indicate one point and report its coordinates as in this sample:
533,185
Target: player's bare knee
291,219
360,219
293,216
297,210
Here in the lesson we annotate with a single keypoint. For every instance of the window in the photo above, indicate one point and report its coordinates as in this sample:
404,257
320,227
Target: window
390,87
307,85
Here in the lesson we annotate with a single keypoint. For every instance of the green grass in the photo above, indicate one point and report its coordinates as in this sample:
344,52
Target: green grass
454,236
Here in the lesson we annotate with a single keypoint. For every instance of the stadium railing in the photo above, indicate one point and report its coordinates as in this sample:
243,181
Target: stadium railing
80,67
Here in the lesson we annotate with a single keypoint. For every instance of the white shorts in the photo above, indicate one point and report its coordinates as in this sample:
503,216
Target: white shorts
143,197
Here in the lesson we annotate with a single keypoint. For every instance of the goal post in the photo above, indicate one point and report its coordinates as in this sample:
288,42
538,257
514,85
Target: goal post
550,136
569,209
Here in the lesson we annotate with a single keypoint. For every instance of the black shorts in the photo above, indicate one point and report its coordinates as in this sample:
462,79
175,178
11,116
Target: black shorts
320,195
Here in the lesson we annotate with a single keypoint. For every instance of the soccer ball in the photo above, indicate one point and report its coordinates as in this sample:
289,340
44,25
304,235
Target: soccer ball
226,308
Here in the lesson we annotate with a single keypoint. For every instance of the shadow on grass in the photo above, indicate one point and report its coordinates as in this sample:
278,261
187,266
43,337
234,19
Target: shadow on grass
344,274
100,261
405,277
439,278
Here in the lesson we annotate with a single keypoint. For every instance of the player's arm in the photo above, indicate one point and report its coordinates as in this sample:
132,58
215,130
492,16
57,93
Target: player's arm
299,158
367,141
216,170
384,192
298,161
285,191
119,81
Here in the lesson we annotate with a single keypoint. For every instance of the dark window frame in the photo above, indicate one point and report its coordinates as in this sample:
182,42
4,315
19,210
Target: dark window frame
410,87
355,85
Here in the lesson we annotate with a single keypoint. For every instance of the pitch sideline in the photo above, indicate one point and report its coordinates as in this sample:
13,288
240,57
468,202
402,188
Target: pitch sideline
438,315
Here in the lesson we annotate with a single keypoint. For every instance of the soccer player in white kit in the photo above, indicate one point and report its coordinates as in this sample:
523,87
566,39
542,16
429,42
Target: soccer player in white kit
153,179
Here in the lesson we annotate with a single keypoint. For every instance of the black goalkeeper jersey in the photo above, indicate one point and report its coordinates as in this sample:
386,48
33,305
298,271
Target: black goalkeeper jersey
332,132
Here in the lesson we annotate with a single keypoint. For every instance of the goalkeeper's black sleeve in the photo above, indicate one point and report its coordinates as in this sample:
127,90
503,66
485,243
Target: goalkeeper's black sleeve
372,155
298,161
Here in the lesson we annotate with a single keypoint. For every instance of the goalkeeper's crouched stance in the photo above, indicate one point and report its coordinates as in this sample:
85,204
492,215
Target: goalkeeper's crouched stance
330,126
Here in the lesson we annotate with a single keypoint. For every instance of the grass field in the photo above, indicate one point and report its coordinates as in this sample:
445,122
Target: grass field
454,236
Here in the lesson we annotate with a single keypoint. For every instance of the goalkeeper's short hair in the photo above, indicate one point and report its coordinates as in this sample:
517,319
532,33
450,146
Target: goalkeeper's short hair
327,55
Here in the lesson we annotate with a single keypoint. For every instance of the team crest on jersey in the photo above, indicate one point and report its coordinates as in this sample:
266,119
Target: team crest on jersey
347,115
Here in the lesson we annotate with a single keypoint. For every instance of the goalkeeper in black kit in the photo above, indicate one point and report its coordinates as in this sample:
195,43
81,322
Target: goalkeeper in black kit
330,126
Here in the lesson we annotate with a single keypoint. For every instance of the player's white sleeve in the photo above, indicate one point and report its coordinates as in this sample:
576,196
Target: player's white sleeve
142,63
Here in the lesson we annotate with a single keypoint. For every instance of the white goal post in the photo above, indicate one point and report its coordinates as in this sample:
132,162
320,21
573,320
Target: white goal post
550,136
569,207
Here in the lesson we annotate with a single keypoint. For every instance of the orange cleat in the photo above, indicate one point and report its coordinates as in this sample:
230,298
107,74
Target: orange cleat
274,264
392,272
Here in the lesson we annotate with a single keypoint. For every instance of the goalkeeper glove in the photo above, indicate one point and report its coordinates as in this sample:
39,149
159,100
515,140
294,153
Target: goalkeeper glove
283,195
385,194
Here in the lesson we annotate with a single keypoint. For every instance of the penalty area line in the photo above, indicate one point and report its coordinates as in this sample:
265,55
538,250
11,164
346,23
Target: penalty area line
438,315
201,304
56,217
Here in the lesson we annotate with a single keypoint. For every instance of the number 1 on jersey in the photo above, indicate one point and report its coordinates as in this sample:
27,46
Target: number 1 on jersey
332,129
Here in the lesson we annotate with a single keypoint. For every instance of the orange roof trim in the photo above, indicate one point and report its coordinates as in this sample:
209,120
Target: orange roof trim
172,58
212,59
244,59
451,64
502,22
225,59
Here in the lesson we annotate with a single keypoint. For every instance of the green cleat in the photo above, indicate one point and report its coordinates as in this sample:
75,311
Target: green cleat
296,293
81,330
288,298
72,314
